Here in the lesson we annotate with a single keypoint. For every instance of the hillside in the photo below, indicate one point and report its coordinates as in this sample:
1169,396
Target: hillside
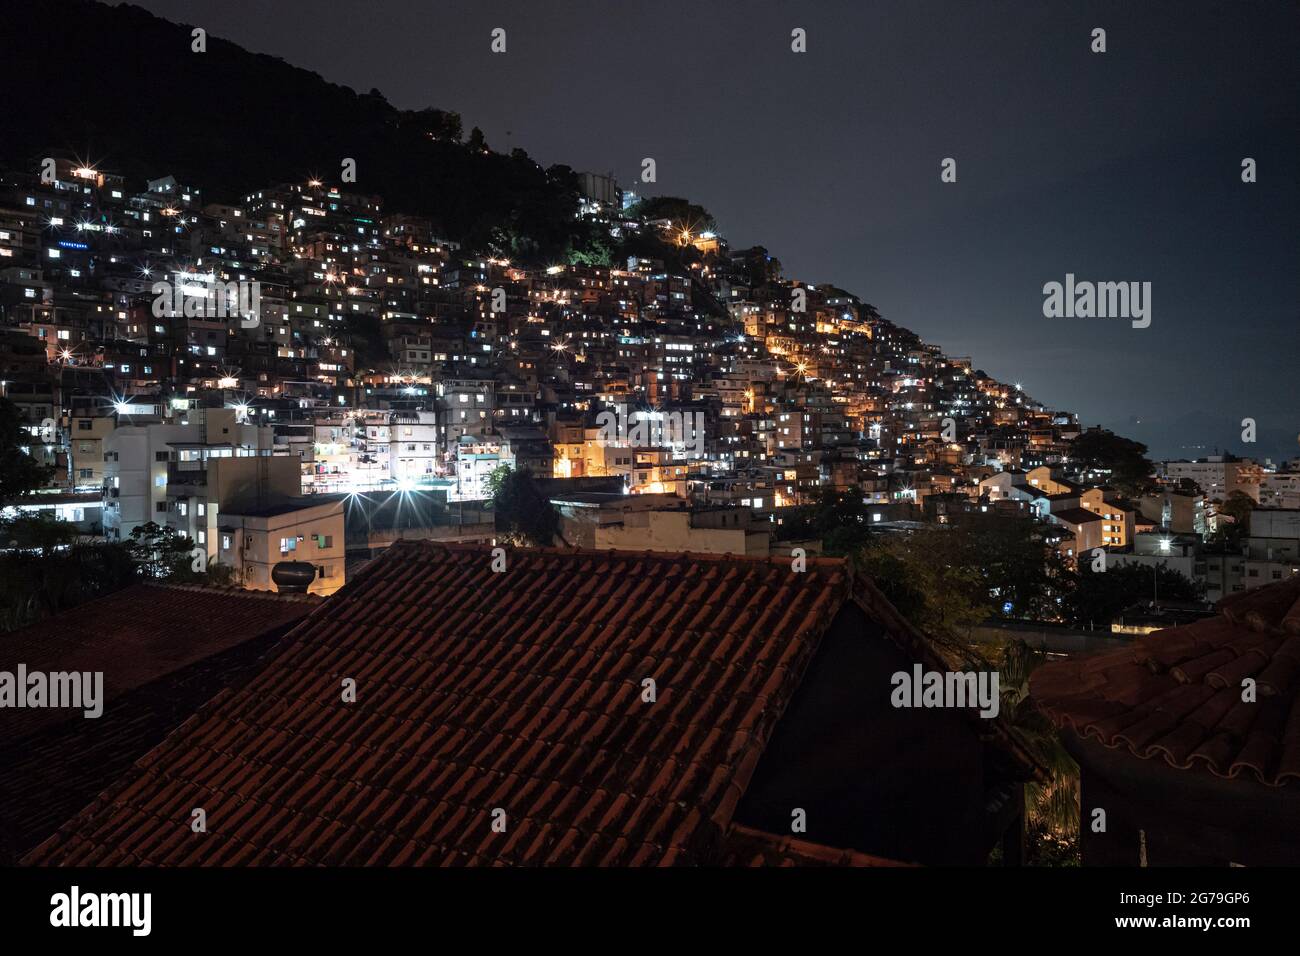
121,88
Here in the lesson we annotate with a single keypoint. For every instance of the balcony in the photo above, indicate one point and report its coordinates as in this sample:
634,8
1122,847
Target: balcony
187,473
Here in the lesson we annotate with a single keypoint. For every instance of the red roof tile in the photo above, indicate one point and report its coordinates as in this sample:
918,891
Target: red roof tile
137,635
478,690
165,652
1176,694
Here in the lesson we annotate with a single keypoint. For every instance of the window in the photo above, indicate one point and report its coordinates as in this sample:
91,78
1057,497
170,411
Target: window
161,455
225,542
201,537
160,507
324,540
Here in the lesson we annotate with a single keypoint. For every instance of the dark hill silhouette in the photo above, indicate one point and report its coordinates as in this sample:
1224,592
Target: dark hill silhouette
121,88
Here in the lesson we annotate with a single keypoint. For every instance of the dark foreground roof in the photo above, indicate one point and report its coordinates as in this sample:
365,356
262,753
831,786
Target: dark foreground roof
1176,694
135,636
165,651
479,691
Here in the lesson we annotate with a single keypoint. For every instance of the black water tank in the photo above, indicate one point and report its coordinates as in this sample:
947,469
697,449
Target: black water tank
293,577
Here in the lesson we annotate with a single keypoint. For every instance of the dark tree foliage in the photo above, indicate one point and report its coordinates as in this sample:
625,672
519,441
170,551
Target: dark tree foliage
244,139
45,568
20,473
1123,458
1017,567
1239,506
838,518
952,576
1099,597
947,576
34,584
523,513
683,213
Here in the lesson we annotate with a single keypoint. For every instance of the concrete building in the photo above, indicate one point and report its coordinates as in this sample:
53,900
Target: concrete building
252,540
1176,512
1280,489
660,522
1117,518
1217,476
1085,532
413,453
152,460
86,436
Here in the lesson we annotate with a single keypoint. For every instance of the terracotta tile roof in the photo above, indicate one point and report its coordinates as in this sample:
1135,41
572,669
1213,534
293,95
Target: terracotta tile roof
746,846
137,635
1176,694
49,776
479,690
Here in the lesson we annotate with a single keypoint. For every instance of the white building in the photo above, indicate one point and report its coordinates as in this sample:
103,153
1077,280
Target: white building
149,450
413,452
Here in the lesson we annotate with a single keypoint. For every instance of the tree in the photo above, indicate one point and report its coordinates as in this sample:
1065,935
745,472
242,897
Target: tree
523,513
685,215
1238,507
161,551
1051,806
1022,575
36,583
46,568
36,531
920,575
838,518
20,473
1099,597
1122,459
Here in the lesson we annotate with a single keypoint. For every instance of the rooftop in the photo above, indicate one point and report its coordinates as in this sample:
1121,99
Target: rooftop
164,652
1176,694
479,691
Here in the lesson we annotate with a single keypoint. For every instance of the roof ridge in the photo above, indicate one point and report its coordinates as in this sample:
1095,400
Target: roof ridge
229,590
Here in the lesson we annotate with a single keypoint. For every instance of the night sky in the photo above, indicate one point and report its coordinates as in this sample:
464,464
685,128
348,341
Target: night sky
1119,166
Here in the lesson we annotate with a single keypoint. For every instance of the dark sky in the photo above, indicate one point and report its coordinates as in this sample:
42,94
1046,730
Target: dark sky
1117,166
